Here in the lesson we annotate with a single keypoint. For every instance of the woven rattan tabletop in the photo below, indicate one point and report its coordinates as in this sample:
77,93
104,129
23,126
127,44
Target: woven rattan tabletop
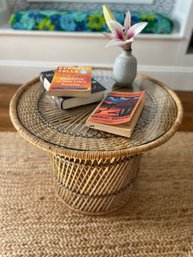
64,132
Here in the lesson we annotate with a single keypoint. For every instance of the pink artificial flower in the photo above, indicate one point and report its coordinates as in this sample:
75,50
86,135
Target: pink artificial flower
123,36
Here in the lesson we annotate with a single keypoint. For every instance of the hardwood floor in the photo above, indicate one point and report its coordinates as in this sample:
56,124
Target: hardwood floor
7,91
187,102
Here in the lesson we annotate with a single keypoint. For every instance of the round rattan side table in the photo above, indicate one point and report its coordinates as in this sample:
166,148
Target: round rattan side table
94,171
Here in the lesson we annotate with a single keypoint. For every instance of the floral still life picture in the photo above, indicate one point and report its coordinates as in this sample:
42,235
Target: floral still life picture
125,65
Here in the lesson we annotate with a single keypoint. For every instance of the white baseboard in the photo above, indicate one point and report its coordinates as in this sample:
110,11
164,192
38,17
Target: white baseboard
178,78
18,72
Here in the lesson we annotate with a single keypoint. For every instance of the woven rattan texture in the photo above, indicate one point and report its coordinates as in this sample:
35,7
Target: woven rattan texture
95,187
66,129
158,221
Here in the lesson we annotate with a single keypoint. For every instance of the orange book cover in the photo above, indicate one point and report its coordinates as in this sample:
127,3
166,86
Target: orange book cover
117,108
71,81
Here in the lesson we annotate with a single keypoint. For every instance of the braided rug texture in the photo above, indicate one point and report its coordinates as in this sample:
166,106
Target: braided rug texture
157,222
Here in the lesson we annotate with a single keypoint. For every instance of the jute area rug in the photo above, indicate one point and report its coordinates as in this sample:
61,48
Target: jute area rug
158,220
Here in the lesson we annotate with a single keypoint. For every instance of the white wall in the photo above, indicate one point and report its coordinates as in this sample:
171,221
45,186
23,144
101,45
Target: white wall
24,54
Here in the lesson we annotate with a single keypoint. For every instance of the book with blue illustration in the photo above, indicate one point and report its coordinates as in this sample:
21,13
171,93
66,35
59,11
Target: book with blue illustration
118,113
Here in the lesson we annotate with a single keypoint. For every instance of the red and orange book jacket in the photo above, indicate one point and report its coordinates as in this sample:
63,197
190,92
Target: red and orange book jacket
118,113
71,81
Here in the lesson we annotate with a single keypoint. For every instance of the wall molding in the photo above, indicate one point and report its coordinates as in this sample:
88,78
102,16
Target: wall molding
6,31
99,1
18,71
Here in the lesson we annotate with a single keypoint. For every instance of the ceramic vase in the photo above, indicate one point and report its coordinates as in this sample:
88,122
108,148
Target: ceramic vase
125,68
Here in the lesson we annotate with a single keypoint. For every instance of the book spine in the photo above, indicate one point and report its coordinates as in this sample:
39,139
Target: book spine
58,102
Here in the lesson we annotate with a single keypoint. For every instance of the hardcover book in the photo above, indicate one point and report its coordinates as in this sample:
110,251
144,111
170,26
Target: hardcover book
71,81
118,113
46,78
97,93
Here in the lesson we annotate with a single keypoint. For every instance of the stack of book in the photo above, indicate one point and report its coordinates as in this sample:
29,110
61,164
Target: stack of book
69,87
72,86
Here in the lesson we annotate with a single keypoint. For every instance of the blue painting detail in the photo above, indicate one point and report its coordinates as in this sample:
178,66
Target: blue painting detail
87,21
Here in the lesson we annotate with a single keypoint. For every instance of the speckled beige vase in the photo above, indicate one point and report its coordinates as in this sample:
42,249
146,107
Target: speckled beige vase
125,68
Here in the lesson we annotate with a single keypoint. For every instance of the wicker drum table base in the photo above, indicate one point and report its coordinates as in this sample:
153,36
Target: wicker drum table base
95,187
